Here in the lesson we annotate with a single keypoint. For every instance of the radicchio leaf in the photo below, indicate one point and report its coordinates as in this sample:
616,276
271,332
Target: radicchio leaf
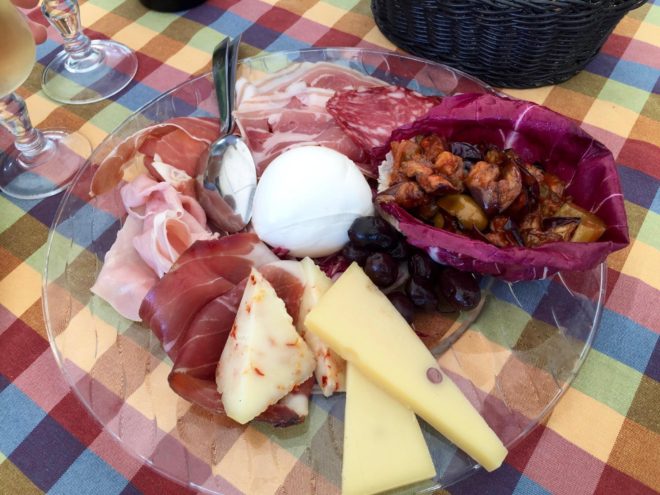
537,134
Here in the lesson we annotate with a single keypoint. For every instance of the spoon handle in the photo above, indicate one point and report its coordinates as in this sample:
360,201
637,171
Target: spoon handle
221,80
234,46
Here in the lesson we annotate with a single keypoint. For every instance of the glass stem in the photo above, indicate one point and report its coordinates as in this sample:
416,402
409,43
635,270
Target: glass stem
79,47
64,15
28,140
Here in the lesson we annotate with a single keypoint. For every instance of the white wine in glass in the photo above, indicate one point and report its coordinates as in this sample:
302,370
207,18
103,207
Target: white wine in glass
39,163
84,71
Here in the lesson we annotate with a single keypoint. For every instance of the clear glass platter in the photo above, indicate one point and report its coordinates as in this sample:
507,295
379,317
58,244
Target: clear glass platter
513,357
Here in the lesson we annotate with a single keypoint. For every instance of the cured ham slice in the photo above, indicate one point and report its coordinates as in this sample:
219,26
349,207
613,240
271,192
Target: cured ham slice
292,408
289,110
171,221
370,115
180,142
207,270
160,225
193,371
201,331
244,246
125,278
314,75
288,279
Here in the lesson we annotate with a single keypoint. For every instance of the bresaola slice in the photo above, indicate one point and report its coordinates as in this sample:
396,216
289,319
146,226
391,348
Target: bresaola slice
370,115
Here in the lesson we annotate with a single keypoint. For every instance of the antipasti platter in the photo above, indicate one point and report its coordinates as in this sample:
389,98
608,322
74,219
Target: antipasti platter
156,348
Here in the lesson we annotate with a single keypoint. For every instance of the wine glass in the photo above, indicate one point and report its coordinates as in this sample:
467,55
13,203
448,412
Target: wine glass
85,71
39,163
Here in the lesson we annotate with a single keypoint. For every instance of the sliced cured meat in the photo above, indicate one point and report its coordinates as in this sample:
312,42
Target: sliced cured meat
171,221
271,131
161,223
195,362
313,75
193,371
288,279
171,305
204,272
246,246
125,278
181,142
292,408
288,109
178,179
370,115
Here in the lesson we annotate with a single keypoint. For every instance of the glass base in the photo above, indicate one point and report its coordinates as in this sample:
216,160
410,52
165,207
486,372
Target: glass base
109,71
48,173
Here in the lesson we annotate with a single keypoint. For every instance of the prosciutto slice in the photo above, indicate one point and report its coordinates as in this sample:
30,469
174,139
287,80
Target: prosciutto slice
160,225
208,280
314,75
288,279
289,110
125,278
193,371
180,142
206,271
370,115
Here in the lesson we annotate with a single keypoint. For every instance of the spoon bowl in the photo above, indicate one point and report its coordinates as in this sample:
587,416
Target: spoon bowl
229,181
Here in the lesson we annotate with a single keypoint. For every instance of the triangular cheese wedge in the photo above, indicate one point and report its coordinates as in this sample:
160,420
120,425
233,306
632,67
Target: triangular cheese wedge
383,444
330,372
362,325
264,357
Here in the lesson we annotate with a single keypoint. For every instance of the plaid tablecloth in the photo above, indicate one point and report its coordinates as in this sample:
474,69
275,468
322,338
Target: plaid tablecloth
602,437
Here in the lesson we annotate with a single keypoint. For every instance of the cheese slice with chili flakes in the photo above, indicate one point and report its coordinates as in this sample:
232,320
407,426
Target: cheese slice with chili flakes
358,321
264,357
330,369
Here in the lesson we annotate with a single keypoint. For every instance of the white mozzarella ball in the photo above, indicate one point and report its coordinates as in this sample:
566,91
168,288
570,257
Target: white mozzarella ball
306,200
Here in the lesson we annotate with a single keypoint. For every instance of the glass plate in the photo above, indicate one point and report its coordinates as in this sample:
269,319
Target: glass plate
513,357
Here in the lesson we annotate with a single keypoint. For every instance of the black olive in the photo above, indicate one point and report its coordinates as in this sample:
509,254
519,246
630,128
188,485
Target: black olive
403,305
459,288
382,269
372,233
400,250
353,253
421,265
420,291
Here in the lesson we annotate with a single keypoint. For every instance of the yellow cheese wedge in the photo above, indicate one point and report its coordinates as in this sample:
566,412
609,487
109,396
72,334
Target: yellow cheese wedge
362,326
383,444
330,369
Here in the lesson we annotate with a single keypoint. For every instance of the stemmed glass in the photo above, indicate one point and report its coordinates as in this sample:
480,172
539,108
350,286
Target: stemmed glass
85,71
40,163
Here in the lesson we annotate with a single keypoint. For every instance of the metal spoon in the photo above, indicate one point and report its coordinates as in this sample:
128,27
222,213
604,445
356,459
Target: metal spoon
230,178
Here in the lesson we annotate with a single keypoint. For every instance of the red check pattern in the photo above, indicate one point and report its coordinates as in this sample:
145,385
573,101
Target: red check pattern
604,435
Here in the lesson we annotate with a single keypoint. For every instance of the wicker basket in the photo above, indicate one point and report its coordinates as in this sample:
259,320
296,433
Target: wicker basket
507,43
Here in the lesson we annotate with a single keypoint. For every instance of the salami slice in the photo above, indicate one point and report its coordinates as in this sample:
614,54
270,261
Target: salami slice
369,116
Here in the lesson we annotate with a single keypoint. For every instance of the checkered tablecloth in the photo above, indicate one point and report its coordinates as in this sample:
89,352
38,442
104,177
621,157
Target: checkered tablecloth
602,437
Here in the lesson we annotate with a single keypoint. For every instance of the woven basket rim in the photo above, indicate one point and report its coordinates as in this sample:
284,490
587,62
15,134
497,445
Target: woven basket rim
561,3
